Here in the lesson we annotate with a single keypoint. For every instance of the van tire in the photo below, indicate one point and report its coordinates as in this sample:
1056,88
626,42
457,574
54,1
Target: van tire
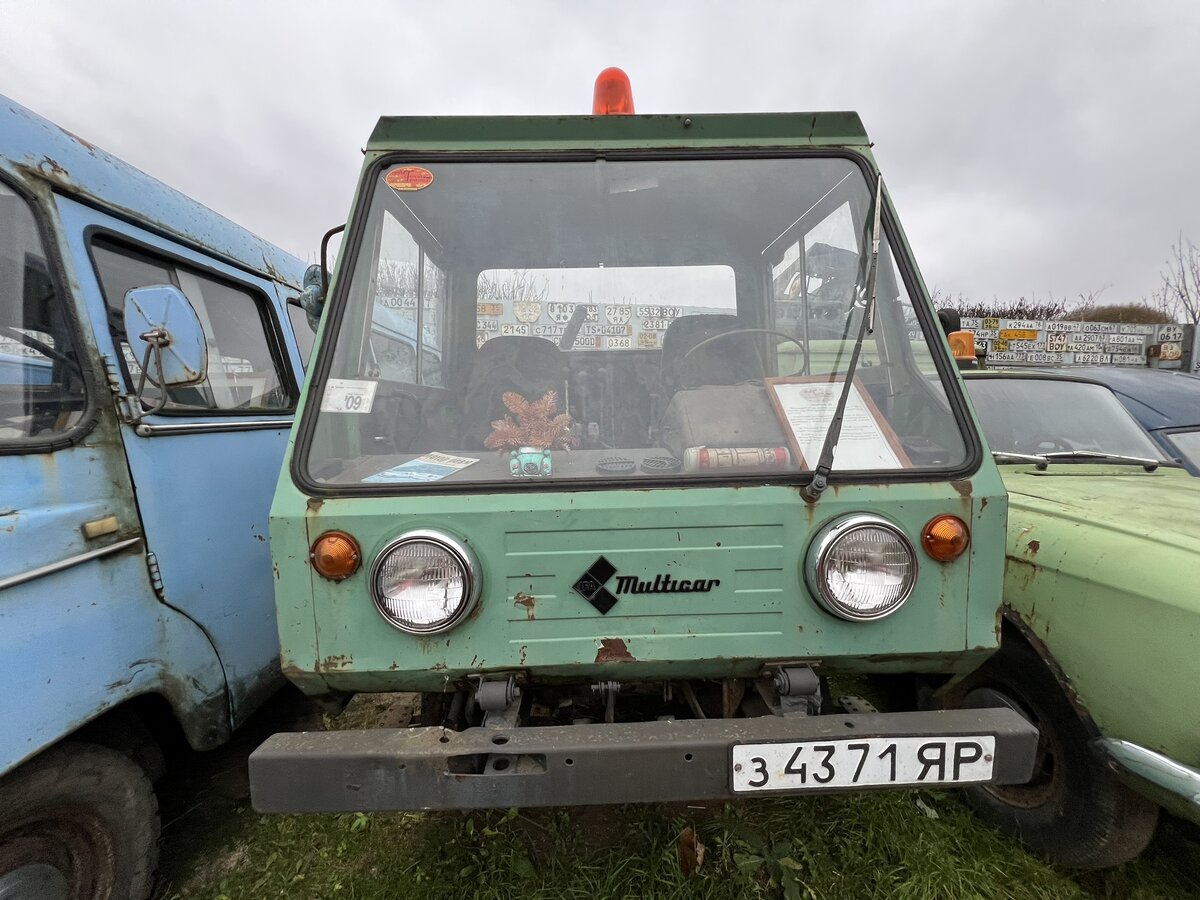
85,812
1073,811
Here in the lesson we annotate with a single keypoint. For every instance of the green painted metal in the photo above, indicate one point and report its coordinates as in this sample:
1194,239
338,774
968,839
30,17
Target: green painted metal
532,546
1103,563
468,133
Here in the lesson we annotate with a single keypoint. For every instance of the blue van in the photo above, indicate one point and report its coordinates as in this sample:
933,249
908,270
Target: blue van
151,354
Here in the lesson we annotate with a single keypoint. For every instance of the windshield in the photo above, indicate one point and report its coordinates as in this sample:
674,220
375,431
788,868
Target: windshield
41,381
1043,415
516,321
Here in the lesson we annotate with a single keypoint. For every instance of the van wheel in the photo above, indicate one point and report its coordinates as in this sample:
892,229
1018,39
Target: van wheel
79,822
1073,811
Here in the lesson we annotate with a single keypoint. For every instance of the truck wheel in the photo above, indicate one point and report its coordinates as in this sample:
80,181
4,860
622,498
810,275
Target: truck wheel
80,822
1073,811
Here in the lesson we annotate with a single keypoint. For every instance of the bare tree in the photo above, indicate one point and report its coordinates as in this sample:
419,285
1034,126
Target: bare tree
1179,295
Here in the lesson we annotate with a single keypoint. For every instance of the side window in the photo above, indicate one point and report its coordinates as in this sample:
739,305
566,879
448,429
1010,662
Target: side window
409,296
244,374
41,384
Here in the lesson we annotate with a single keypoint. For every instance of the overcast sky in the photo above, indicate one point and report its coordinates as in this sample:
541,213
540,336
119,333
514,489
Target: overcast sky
1032,148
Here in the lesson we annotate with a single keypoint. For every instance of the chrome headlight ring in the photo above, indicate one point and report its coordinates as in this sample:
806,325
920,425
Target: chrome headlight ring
438,573
861,567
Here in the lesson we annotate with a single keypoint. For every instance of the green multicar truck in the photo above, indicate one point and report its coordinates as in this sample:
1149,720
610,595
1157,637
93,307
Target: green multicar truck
624,434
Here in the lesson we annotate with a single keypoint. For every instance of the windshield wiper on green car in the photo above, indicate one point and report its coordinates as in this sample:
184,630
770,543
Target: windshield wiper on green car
812,491
1148,464
1004,456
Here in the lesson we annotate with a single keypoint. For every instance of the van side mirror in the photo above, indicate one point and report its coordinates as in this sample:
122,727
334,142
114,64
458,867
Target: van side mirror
165,335
312,298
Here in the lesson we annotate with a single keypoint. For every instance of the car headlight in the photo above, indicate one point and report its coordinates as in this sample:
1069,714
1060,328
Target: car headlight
424,582
861,568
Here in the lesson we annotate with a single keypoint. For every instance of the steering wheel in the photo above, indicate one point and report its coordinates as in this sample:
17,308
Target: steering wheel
724,334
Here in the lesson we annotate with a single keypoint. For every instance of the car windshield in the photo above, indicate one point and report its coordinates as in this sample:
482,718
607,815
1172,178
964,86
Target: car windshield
1050,415
528,323
1187,444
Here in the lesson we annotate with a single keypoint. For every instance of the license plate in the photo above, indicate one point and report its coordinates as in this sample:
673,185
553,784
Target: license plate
865,762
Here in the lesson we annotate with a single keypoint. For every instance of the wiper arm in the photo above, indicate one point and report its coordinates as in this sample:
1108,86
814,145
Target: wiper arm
1148,464
1004,456
813,490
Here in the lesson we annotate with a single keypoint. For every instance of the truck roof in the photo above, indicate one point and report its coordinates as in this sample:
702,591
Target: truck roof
33,151
820,129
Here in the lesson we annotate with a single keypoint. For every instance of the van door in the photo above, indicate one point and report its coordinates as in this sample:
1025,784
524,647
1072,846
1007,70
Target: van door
204,469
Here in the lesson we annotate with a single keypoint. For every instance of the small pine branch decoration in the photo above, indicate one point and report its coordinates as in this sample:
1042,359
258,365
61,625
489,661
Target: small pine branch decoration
537,424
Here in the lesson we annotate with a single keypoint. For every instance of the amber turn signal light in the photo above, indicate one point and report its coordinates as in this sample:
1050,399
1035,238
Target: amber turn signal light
945,538
335,555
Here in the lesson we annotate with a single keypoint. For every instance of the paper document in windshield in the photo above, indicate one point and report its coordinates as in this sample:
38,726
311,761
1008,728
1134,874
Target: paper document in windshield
430,467
805,407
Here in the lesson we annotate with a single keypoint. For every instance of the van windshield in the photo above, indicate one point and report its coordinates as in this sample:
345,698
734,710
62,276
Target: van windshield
525,323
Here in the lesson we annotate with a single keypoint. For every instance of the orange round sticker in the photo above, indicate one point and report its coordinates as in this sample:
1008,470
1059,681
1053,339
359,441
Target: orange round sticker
409,178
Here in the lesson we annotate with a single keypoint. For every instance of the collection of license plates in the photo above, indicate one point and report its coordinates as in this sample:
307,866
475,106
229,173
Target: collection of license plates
1040,342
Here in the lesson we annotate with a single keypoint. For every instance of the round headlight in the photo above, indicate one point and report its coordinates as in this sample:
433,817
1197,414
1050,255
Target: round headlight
861,568
424,582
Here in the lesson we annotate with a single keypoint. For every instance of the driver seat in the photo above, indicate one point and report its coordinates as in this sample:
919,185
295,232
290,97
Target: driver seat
732,360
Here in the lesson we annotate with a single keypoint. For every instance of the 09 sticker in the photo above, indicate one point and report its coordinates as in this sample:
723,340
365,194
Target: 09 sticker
345,395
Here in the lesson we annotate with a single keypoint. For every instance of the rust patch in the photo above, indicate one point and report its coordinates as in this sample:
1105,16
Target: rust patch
963,488
330,663
315,504
51,167
613,650
983,504
524,651
528,601
1034,546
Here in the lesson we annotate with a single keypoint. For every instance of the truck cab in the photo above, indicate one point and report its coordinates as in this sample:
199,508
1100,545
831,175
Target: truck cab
149,373
669,436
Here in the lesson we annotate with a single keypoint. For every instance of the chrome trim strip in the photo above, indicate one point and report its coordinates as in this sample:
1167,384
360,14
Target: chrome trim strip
68,563
145,430
1178,779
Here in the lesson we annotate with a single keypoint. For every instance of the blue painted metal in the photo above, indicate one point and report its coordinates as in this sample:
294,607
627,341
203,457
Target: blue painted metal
38,149
85,624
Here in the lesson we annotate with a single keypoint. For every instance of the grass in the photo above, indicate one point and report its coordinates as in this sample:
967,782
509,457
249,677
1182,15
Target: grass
905,845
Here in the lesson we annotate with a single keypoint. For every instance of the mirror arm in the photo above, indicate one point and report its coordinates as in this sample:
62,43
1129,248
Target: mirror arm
156,339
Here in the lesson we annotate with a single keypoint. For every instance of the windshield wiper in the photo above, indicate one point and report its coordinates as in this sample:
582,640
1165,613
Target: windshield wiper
813,490
1004,456
1148,464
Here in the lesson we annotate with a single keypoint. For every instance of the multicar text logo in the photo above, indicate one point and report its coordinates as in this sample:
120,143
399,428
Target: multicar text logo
591,585
665,584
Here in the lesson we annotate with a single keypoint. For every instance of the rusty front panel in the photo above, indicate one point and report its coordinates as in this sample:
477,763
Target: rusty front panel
749,543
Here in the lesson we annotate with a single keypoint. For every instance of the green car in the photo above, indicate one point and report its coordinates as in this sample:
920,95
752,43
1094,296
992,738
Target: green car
1101,624
686,442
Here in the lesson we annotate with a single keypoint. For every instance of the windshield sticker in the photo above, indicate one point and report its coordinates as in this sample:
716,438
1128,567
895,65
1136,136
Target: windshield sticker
430,467
409,178
345,395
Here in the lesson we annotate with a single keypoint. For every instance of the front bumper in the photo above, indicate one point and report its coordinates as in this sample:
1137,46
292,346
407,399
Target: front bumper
481,768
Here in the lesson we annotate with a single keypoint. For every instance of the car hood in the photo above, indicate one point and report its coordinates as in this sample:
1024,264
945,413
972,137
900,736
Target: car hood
1162,507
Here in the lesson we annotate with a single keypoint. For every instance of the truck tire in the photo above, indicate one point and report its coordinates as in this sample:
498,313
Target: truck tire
79,822
1073,811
